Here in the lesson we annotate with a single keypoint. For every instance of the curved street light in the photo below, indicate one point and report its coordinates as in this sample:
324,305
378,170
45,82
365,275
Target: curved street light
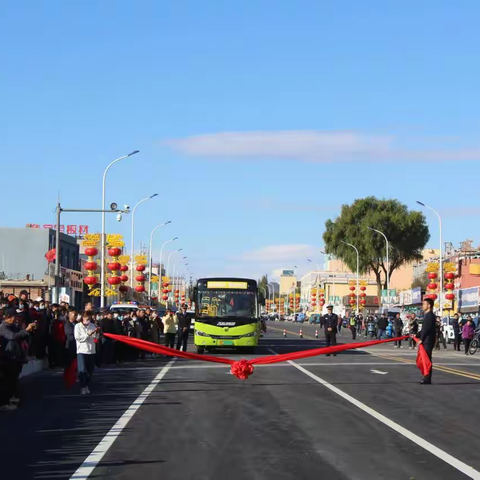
133,232
102,253
358,269
150,263
440,302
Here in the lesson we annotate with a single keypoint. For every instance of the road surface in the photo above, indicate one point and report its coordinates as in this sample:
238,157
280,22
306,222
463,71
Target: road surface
359,415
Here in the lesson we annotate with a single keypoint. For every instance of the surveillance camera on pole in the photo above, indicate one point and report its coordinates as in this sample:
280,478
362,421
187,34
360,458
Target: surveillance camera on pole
113,206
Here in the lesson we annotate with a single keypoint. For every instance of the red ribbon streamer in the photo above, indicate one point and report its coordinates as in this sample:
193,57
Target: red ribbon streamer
423,362
242,369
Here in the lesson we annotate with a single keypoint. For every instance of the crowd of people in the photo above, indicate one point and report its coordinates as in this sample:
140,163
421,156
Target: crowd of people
381,327
61,334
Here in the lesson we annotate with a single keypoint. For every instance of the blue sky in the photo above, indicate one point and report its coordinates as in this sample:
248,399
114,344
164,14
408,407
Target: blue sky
256,120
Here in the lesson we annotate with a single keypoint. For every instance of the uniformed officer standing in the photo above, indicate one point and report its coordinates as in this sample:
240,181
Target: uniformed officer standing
330,323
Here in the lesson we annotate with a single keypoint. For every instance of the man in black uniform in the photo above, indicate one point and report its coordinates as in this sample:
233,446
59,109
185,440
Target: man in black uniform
184,320
330,322
427,334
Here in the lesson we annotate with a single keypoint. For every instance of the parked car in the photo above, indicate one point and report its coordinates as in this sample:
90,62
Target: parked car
300,317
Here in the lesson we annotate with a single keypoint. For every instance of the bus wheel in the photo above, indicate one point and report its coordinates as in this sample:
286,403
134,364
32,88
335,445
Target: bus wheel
200,350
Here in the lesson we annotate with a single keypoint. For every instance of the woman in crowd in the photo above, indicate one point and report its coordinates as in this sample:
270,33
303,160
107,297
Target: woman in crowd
468,332
85,334
170,328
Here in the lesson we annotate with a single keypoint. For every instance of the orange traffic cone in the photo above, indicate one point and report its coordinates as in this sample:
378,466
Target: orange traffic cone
316,333
284,333
301,333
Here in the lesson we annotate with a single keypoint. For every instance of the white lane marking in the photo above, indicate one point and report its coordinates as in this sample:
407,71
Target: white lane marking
442,455
89,464
378,372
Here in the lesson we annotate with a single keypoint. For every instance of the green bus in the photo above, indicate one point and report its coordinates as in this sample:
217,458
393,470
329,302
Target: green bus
226,314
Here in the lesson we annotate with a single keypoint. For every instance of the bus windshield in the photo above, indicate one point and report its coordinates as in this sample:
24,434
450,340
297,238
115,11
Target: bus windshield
227,304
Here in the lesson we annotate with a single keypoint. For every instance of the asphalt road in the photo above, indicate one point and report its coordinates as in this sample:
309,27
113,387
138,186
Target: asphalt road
359,415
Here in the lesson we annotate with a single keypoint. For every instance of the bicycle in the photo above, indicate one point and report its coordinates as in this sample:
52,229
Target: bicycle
475,344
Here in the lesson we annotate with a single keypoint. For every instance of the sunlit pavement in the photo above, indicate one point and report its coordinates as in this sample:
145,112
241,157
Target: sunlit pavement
359,415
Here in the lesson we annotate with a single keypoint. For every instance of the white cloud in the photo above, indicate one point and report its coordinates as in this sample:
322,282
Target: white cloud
314,146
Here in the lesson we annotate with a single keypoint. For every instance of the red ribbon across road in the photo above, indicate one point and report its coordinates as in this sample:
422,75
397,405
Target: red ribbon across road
242,369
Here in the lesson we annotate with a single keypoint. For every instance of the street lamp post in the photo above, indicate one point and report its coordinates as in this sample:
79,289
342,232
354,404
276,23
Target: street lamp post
441,253
175,275
161,252
388,262
358,269
102,253
150,263
270,292
133,233
168,263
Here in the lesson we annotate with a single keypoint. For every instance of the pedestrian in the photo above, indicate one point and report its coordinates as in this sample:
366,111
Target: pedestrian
56,345
155,327
331,323
360,324
70,342
184,320
169,328
439,334
413,330
457,333
107,325
353,326
427,335
382,325
340,321
13,353
398,328
468,332
85,334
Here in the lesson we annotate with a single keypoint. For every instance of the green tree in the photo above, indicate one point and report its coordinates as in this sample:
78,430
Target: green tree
407,233
421,281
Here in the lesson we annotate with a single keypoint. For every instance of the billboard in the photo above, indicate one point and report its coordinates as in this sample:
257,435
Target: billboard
288,273
417,296
468,297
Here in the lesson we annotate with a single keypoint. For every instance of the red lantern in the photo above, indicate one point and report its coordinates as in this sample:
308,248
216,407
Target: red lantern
123,278
363,288
363,295
124,268
322,302
450,296
314,304
140,278
432,286
165,290
140,268
352,295
363,301
314,294
449,286
114,280
165,297
91,252
123,288
449,275
165,284
352,301
139,288
352,288
90,266
432,275
90,280
433,296
114,251
114,266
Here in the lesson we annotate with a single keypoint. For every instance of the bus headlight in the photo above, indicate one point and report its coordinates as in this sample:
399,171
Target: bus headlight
252,334
201,334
